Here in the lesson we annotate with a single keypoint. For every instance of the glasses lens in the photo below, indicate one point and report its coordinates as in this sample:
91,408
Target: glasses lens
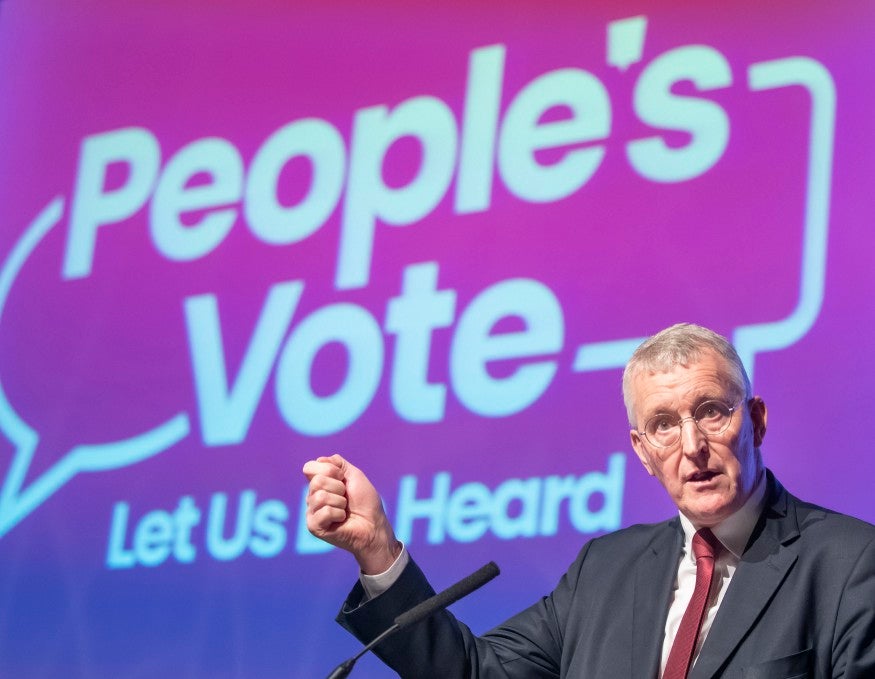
713,417
662,430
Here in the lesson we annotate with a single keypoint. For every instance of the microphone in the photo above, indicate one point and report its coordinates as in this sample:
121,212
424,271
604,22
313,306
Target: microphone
423,610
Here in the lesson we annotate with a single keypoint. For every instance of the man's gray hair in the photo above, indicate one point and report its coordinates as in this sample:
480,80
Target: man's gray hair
681,344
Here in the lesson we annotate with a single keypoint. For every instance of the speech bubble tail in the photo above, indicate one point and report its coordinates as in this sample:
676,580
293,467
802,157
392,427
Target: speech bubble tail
17,502
9,510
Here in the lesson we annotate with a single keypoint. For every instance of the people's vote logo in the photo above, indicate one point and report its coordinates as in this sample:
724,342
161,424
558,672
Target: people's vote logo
161,426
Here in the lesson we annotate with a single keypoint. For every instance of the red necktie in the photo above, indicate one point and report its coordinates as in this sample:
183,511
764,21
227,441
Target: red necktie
680,659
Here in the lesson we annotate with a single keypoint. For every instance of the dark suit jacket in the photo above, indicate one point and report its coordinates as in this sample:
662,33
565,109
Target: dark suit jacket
801,604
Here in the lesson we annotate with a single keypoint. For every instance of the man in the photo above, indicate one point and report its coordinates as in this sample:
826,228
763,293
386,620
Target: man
747,581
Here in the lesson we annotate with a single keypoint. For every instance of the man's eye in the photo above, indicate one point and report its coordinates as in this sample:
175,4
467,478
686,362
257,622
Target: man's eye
663,424
712,411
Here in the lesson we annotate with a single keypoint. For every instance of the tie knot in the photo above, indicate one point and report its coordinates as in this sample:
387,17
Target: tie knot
705,544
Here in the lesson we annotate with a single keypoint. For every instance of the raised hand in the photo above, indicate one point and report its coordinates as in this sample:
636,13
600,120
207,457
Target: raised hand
345,510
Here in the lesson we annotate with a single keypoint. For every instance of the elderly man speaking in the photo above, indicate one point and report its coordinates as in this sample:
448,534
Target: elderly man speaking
746,581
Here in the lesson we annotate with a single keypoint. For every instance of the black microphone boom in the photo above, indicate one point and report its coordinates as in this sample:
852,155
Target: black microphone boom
423,610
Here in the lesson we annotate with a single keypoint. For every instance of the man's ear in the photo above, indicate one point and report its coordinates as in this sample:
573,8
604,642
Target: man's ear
638,447
759,416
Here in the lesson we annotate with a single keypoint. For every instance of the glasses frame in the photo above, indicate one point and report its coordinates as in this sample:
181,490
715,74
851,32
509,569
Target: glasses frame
680,423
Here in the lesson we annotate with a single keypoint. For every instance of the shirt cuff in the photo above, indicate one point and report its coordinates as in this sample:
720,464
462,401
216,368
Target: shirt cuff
375,585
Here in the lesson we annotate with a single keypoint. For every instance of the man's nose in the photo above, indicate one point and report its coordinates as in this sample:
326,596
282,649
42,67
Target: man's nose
692,438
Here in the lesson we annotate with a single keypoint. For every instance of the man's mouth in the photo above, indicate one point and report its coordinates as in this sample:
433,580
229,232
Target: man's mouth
701,476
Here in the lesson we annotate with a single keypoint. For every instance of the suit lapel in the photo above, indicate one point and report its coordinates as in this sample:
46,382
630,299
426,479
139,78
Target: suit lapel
769,556
654,578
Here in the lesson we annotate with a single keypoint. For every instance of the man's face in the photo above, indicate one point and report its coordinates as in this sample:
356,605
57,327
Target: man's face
707,477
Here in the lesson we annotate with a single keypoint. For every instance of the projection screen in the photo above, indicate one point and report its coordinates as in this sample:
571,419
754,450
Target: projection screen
236,236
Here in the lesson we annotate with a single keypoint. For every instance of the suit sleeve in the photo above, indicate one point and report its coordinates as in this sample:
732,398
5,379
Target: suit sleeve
528,645
854,646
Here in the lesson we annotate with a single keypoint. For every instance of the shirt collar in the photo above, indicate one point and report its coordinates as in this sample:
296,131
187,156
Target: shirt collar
735,530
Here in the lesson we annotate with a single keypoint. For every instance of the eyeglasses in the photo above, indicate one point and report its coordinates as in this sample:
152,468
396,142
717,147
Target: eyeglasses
711,417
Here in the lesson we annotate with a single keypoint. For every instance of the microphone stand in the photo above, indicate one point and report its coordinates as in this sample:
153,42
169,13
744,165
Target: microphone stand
423,610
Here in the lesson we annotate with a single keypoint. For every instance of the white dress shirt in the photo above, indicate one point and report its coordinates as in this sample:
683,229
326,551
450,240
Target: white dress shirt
375,585
733,533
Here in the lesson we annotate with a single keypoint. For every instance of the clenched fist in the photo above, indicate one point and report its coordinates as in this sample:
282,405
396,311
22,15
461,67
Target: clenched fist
345,510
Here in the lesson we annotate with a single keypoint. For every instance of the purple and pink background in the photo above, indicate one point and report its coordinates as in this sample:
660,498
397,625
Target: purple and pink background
107,356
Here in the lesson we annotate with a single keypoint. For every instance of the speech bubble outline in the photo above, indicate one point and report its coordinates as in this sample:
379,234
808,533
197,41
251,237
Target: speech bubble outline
773,335
16,501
